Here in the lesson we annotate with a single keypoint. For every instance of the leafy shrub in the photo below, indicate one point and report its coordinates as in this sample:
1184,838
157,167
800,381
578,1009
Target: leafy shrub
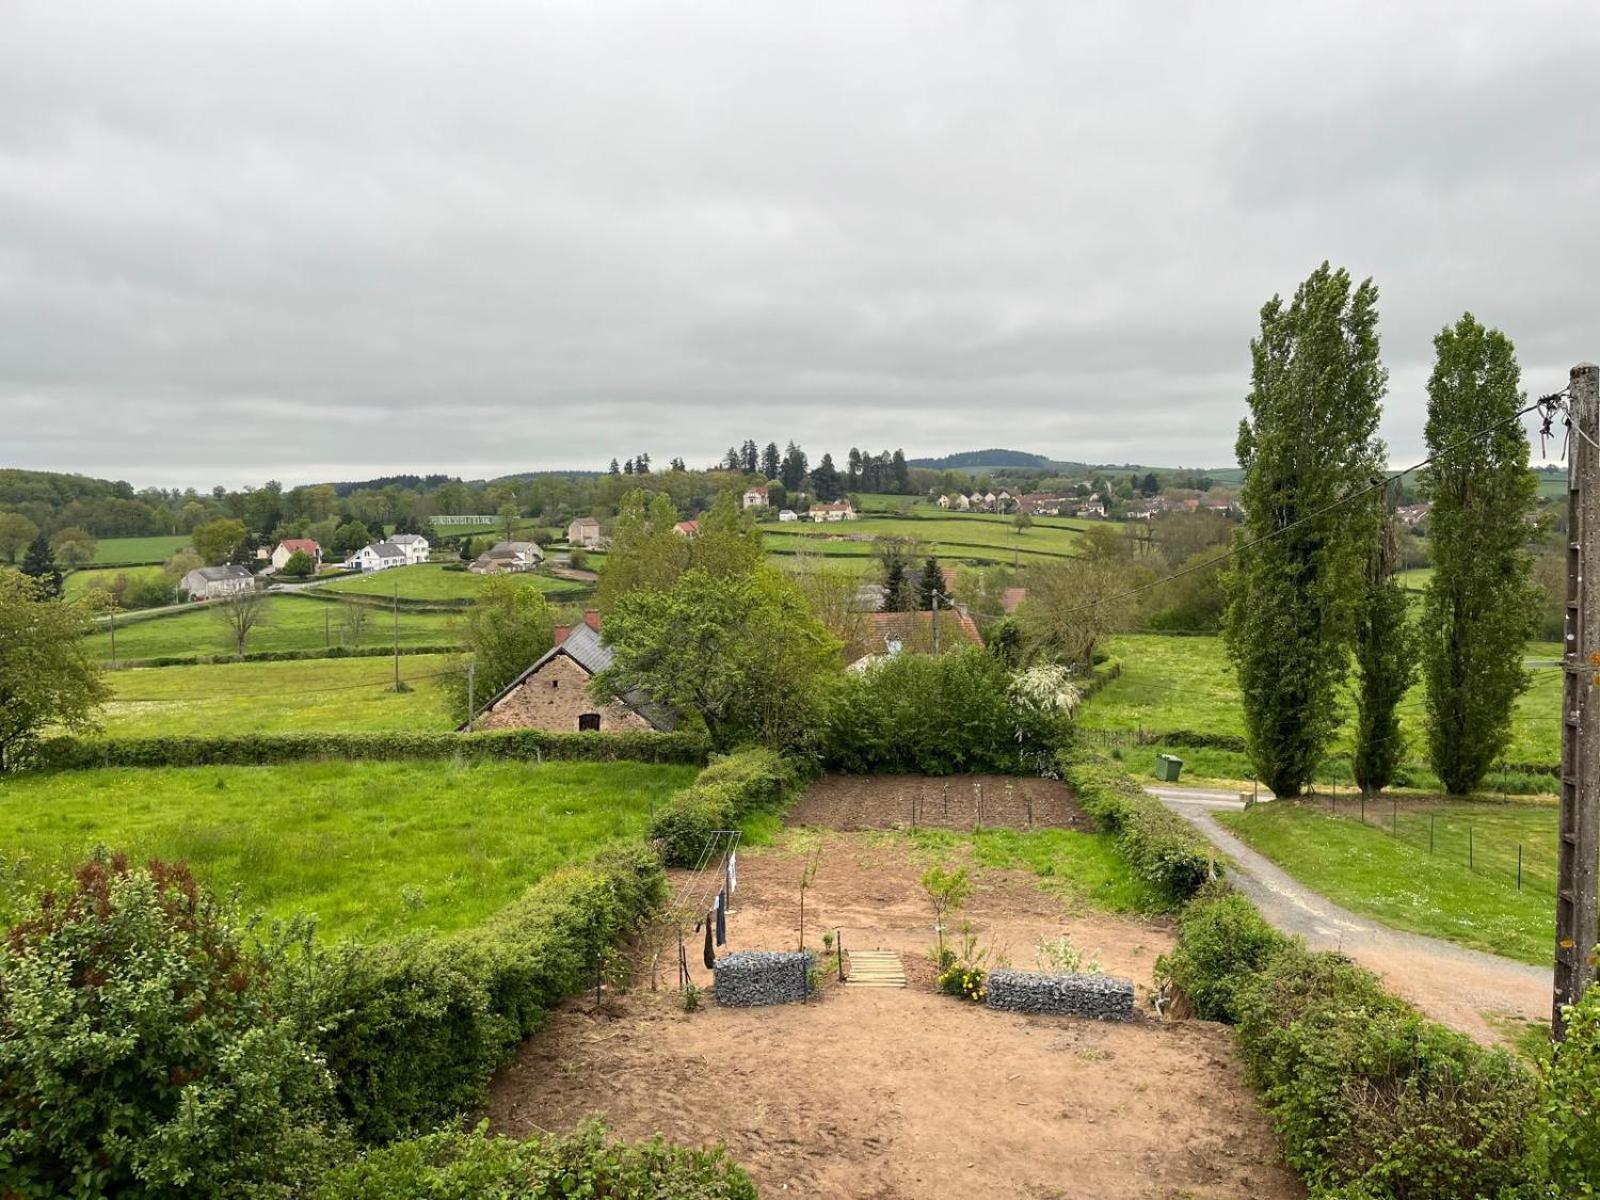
1572,1102
1059,956
141,1053
260,749
730,789
1222,944
1367,1095
1161,846
455,1166
925,714
414,1031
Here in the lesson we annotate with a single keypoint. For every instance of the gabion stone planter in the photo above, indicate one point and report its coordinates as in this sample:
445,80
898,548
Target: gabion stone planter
756,977
1100,997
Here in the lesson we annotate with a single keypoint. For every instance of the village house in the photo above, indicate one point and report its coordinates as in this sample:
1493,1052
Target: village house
1011,599
885,634
1413,514
788,514
506,558
413,545
755,497
843,510
379,556
584,532
553,693
289,547
961,504
215,583
1041,504
687,529
943,501
1094,508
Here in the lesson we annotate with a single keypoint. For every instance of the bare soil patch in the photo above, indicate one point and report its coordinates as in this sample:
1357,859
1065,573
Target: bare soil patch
856,802
886,1093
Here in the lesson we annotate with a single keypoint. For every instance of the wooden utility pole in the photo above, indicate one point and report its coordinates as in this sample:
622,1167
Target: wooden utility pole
1577,903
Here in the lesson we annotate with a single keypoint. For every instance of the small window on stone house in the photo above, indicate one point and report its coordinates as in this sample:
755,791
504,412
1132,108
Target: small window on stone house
588,722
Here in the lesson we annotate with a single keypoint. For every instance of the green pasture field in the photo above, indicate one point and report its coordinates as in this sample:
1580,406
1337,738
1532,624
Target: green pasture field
954,538
110,551
321,695
1186,683
289,623
1394,878
373,849
1416,579
79,582
430,581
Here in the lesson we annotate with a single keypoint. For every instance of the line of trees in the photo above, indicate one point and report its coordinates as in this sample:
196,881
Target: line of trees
1311,589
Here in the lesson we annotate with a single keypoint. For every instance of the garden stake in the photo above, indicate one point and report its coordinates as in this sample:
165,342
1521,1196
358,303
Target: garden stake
1519,866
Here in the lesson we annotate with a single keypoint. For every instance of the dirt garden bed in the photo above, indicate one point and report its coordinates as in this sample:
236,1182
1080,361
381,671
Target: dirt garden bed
880,1093
856,802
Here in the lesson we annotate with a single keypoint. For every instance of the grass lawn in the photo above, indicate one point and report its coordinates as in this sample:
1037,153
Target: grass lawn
308,695
110,551
289,624
1084,868
953,537
1173,683
1416,579
1398,881
373,849
430,581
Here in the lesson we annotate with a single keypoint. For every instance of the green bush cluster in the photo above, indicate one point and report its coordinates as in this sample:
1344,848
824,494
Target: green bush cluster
731,788
260,749
1370,1098
1572,1103
202,660
142,1052
456,1166
414,1031
1161,846
927,715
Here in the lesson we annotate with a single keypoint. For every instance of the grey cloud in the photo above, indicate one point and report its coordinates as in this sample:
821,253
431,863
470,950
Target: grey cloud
296,240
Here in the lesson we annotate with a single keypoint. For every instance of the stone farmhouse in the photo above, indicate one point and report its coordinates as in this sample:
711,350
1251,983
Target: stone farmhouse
841,511
553,693
687,529
506,558
215,583
584,532
755,497
289,547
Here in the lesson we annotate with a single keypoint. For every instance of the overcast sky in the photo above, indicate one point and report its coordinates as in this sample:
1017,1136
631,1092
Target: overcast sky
314,240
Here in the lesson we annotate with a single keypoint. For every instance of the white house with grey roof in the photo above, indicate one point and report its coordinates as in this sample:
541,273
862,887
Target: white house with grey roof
413,545
379,556
213,583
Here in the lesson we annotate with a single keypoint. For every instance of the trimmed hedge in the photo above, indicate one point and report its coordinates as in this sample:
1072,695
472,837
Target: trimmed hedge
731,788
1161,846
262,749
452,1166
1367,1095
413,1032
207,660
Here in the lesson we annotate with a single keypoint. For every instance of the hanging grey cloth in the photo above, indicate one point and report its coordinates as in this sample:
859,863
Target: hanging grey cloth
722,918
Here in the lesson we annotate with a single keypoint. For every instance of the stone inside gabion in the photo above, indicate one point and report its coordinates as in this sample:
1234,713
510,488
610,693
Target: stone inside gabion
755,977
1101,997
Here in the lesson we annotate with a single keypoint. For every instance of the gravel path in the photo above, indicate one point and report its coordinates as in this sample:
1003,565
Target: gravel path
1450,983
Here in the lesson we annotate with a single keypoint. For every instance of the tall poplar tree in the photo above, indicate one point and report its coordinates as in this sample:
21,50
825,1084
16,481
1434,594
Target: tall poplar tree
1316,383
1481,603
1385,658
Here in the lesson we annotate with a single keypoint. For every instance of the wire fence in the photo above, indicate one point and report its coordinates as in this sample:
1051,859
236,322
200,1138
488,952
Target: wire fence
1453,836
